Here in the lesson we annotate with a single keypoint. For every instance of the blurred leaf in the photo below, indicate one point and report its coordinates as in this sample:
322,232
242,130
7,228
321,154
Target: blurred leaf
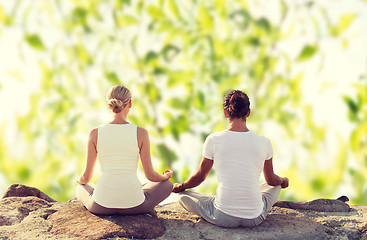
200,99
318,184
83,54
264,23
317,25
121,3
284,9
295,88
166,153
204,18
310,3
79,16
159,71
185,173
344,43
355,138
220,7
2,15
24,172
307,52
179,77
179,126
153,92
169,52
172,6
3,147
47,79
179,103
229,83
155,12
7,20
254,41
341,161
241,17
150,56
112,78
127,20
118,4
34,41
358,179
353,108
343,24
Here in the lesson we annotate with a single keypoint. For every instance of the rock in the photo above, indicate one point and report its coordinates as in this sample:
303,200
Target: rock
320,205
87,225
343,198
19,190
30,217
14,209
281,223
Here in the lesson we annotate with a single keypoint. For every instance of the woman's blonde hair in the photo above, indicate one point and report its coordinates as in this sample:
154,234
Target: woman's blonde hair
117,98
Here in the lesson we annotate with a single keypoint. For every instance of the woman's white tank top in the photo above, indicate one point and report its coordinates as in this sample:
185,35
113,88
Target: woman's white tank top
118,152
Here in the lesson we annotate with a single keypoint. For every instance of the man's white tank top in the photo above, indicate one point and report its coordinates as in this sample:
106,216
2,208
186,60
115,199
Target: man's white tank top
118,152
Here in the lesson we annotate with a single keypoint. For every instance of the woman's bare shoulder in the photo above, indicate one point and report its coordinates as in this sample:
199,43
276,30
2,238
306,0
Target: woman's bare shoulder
94,133
142,132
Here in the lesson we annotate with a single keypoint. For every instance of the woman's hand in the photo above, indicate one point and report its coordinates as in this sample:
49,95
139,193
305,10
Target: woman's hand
81,180
168,174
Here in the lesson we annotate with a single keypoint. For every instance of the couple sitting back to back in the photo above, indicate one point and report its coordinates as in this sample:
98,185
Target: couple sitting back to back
237,154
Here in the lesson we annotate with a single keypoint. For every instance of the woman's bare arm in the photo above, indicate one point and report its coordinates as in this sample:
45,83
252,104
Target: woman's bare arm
87,175
271,178
144,146
197,178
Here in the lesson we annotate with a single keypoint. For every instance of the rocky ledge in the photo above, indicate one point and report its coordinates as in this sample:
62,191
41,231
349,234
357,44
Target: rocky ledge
27,213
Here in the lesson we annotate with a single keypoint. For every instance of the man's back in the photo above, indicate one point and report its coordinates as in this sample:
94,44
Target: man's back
238,161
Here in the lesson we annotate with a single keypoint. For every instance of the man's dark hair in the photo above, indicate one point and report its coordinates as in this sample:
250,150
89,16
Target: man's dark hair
236,103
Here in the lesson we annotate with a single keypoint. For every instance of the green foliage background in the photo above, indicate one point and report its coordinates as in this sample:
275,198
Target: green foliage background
178,58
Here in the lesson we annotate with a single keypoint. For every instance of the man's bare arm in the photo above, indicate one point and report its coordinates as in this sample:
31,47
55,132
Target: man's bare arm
197,178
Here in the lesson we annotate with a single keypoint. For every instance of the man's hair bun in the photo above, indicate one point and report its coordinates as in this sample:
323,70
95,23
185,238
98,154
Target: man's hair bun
236,103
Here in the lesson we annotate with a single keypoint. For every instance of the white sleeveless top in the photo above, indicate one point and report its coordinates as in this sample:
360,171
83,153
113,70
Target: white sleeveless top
118,152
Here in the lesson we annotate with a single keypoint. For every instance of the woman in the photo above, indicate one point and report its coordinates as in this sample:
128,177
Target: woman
238,155
118,145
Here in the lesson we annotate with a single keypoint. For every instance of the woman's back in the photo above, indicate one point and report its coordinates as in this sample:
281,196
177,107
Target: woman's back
118,151
117,147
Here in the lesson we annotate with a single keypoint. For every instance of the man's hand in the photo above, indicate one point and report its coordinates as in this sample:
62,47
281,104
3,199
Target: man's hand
285,182
177,187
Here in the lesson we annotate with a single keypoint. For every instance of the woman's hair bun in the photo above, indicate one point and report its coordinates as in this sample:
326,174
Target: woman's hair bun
116,105
236,103
117,98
